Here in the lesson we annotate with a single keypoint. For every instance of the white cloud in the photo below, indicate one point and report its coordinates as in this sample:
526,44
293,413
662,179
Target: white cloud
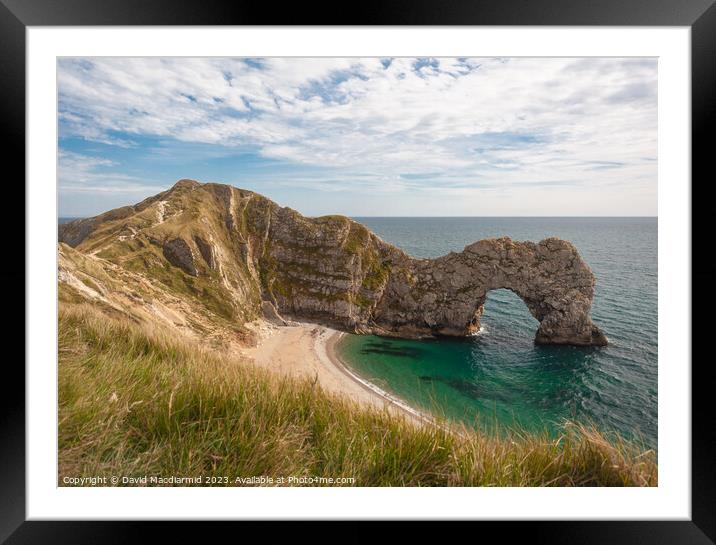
78,173
459,122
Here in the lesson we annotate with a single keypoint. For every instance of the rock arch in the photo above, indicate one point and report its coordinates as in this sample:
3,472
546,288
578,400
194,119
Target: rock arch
446,296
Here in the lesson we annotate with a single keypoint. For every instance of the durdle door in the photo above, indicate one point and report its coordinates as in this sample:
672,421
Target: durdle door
244,256
446,296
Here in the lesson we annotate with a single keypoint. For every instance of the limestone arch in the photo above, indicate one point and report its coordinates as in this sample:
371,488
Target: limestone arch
550,278
446,295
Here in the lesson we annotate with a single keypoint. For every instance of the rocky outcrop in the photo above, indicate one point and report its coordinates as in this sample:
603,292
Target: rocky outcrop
75,231
335,270
445,296
206,250
179,254
273,262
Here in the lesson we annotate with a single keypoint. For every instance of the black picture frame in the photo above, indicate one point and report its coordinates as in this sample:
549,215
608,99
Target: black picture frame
699,15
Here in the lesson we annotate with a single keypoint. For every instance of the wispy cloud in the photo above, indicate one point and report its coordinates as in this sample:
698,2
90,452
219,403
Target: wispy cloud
411,123
79,173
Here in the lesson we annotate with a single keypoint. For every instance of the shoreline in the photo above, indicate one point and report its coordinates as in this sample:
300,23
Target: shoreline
332,355
310,351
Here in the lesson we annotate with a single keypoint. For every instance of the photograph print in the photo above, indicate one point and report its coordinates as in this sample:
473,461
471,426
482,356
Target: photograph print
365,272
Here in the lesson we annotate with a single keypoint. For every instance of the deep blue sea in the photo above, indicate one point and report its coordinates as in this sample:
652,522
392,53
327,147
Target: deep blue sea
500,376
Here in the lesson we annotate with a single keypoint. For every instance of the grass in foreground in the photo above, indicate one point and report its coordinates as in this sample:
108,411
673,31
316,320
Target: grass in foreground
135,402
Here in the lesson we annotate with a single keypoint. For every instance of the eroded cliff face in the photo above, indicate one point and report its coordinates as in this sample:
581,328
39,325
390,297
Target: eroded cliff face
243,256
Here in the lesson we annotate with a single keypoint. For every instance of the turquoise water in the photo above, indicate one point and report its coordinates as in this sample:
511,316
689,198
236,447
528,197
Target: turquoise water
500,376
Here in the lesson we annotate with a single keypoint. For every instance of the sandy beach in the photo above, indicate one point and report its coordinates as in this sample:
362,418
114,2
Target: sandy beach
309,351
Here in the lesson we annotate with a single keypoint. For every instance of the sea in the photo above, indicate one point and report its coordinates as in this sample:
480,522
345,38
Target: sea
499,379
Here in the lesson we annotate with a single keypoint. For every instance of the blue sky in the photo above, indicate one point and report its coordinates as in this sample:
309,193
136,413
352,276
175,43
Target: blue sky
365,137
